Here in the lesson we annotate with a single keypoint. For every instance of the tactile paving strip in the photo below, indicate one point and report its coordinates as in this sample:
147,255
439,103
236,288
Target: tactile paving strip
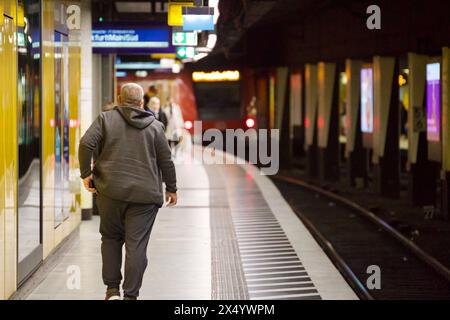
227,274
271,266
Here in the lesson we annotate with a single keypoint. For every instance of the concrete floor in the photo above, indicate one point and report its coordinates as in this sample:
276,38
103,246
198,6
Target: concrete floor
180,254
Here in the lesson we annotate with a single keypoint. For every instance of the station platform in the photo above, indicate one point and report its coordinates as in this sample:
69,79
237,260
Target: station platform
231,236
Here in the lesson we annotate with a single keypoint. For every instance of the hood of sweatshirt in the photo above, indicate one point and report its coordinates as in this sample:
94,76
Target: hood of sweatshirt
136,117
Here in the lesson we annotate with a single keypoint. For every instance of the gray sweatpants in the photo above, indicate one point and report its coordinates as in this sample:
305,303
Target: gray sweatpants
129,223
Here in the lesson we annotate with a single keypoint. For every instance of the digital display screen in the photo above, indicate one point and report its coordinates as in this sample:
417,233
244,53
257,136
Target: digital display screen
433,101
141,39
367,100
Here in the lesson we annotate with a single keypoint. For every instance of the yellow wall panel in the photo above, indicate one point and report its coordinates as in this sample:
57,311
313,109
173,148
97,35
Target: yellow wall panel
8,138
2,163
48,130
8,171
74,132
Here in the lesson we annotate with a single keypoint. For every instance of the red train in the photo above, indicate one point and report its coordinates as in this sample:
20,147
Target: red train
214,97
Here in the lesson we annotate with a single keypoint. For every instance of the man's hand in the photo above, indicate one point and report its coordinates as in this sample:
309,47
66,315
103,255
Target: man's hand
87,184
171,199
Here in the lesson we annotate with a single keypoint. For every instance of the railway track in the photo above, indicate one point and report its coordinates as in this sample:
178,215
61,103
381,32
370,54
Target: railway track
355,239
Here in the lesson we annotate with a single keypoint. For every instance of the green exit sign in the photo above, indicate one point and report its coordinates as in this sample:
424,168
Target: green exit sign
184,38
185,52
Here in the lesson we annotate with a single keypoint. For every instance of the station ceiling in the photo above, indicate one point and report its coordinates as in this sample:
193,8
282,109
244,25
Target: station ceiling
294,32
129,11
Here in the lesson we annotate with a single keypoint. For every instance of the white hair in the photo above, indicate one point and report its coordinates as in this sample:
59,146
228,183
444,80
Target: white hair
154,104
131,94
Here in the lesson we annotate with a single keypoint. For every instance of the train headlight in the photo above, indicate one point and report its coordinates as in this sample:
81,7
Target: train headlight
250,123
188,125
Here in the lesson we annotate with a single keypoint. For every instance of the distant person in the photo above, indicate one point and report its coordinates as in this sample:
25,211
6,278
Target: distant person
152,92
251,109
133,161
403,119
175,125
154,105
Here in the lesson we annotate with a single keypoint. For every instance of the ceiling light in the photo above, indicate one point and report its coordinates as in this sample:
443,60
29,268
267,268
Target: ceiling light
141,73
176,68
212,39
166,63
199,56
214,76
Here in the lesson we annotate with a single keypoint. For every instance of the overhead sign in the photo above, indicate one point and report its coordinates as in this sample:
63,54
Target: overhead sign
175,15
137,65
216,76
148,39
184,39
163,55
198,18
185,52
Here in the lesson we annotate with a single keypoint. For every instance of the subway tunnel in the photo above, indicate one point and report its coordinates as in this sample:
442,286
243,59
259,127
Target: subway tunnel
310,141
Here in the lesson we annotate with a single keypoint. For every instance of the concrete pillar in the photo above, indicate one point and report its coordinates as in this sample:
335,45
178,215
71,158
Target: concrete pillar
422,181
86,109
328,122
354,151
386,150
445,115
311,119
296,114
108,76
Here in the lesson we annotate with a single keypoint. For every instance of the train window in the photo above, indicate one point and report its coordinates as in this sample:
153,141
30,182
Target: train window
62,194
218,100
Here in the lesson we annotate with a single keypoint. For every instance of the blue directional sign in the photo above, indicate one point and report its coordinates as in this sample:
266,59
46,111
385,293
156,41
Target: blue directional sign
137,39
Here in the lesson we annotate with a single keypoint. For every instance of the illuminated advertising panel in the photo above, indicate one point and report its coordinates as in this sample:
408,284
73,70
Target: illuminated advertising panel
367,100
433,101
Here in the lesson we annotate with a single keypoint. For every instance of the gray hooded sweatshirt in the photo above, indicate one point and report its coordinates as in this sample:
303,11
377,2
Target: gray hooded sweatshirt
134,157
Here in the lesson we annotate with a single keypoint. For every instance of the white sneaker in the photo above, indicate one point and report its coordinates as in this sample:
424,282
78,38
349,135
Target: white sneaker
112,294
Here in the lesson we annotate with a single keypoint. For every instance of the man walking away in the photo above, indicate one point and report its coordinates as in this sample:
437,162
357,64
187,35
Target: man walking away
154,105
133,160
151,93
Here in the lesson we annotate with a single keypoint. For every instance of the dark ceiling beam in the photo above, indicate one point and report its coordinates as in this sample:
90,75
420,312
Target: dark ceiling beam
236,17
